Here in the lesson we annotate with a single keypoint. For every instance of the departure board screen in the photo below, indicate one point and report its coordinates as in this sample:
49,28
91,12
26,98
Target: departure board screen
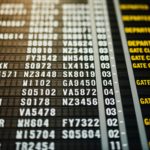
74,75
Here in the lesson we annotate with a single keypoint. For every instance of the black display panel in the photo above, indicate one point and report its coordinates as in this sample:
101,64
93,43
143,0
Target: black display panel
74,75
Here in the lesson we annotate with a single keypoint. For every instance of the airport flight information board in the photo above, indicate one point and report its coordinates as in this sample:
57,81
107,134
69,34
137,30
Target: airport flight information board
74,75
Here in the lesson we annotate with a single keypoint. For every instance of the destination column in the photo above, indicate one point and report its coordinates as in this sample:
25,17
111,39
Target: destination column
14,23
